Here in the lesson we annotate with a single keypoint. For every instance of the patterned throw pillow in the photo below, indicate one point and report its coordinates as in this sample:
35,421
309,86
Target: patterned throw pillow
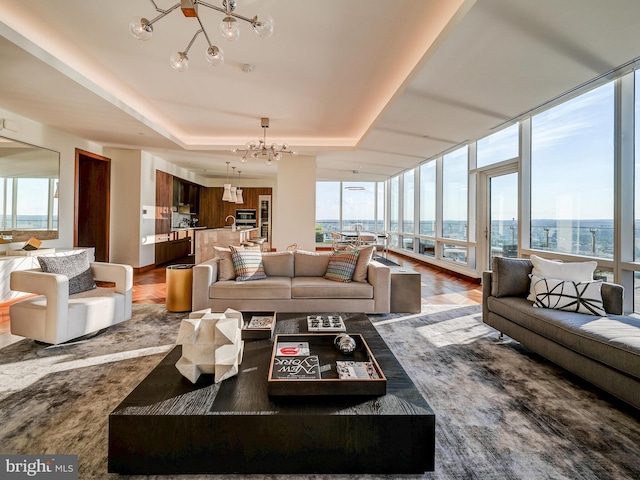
581,297
76,267
247,264
342,264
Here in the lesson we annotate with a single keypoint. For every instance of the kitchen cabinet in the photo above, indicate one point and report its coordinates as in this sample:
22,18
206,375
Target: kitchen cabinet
167,251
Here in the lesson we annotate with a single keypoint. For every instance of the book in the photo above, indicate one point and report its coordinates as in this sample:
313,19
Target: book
325,323
292,349
260,322
296,367
356,370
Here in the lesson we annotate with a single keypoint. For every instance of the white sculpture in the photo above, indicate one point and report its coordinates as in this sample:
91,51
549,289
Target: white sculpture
211,343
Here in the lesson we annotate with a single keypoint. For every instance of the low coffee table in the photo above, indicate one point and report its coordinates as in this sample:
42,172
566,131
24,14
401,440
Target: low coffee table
169,425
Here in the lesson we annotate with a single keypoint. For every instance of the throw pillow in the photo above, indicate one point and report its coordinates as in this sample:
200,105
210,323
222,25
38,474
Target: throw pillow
247,264
226,270
341,266
75,267
310,264
574,271
362,265
581,297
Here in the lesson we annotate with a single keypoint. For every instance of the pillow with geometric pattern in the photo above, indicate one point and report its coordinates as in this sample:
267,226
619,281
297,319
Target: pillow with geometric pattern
341,266
247,264
581,297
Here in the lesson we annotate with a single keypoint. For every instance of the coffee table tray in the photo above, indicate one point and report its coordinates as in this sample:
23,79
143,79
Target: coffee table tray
304,374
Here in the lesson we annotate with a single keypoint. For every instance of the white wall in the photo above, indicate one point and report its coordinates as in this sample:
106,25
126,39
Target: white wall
27,131
294,212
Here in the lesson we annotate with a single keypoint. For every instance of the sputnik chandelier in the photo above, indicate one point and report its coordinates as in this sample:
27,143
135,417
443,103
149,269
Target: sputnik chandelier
142,29
262,150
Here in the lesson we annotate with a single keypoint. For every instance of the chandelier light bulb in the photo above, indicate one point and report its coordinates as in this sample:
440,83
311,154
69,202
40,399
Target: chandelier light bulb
277,156
269,160
179,62
244,158
139,27
215,56
229,28
250,145
275,147
263,25
254,155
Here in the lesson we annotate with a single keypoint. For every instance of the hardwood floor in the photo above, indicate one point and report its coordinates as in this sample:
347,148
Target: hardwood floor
438,287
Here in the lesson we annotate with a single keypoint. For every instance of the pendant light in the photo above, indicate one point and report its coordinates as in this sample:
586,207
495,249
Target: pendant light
234,195
239,199
226,195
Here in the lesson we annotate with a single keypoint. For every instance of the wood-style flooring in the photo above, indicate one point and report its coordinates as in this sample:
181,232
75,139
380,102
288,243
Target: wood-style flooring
438,287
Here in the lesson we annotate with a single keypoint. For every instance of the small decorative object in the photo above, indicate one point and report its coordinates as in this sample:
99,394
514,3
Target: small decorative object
325,323
32,244
211,343
345,343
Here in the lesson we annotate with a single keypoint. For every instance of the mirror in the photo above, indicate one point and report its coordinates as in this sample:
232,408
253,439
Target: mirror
28,191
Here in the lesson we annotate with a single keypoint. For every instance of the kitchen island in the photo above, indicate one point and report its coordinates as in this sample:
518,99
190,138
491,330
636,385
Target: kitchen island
220,237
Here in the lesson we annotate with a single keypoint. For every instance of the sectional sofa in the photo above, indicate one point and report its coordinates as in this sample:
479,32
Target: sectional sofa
602,349
295,282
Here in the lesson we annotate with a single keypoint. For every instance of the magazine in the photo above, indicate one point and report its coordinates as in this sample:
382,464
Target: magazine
296,367
356,370
293,349
260,322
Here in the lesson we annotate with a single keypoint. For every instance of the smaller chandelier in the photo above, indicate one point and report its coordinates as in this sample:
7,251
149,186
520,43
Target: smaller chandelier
262,150
142,29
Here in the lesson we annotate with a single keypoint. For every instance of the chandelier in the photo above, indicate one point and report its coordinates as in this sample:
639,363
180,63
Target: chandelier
142,29
262,150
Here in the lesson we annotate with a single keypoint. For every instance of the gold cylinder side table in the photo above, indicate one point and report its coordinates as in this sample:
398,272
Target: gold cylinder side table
179,278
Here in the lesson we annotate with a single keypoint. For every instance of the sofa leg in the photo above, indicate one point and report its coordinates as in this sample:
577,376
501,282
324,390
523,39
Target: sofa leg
501,336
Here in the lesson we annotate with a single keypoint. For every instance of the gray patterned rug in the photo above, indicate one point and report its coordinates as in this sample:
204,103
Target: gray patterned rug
502,412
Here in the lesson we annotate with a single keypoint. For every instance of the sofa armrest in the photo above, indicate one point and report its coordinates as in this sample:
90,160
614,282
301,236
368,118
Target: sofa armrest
120,274
205,274
53,286
487,278
612,298
379,276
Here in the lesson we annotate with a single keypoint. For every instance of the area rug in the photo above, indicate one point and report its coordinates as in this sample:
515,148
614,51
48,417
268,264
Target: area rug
502,412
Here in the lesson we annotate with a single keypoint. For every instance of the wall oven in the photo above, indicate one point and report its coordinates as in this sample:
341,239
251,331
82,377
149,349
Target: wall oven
246,217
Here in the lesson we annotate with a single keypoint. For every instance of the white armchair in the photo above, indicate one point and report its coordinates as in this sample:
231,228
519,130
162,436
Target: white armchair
54,316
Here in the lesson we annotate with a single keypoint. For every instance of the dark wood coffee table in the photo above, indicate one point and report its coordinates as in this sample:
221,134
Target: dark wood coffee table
168,425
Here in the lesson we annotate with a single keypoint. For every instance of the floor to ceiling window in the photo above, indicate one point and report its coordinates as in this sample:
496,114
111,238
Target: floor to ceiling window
572,164
358,206
394,204
408,198
427,208
455,176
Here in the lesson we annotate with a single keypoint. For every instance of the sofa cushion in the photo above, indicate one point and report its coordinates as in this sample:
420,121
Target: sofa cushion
362,265
612,340
271,288
225,264
318,287
247,264
341,266
574,271
75,267
310,264
278,264
579,297
510,277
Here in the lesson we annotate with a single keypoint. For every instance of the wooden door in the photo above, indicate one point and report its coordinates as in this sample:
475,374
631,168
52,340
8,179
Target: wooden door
92,198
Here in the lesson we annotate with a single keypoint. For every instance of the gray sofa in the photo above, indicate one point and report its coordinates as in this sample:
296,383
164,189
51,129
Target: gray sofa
295,283
602,350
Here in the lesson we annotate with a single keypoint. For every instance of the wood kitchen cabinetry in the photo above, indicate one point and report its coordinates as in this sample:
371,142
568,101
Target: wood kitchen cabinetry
213,210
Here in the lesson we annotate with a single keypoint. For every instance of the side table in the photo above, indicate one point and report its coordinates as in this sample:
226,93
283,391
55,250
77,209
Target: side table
405,290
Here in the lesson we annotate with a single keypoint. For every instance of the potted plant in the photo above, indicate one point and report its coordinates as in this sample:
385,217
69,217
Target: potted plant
319,234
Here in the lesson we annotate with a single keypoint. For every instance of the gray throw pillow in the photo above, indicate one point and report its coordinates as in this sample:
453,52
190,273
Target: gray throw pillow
75,267
510,277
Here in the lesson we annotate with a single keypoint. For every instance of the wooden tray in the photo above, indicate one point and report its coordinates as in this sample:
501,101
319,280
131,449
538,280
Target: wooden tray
257,333
329,383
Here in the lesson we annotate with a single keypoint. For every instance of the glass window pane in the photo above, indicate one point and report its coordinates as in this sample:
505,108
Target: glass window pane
572,159
455,253
636,230
380,214
394,186
454,194
408,201
328,205
32,203
500,146
407,243
358,206
6,196
428,199
428,247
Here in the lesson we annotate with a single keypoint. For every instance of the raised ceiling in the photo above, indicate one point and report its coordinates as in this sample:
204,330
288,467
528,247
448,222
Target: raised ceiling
369,85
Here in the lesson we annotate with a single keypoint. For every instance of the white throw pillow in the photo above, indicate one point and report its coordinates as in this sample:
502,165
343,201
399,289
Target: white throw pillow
574,271
581,297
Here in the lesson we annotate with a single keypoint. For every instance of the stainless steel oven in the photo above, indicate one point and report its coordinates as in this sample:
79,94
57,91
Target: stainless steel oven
246,217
